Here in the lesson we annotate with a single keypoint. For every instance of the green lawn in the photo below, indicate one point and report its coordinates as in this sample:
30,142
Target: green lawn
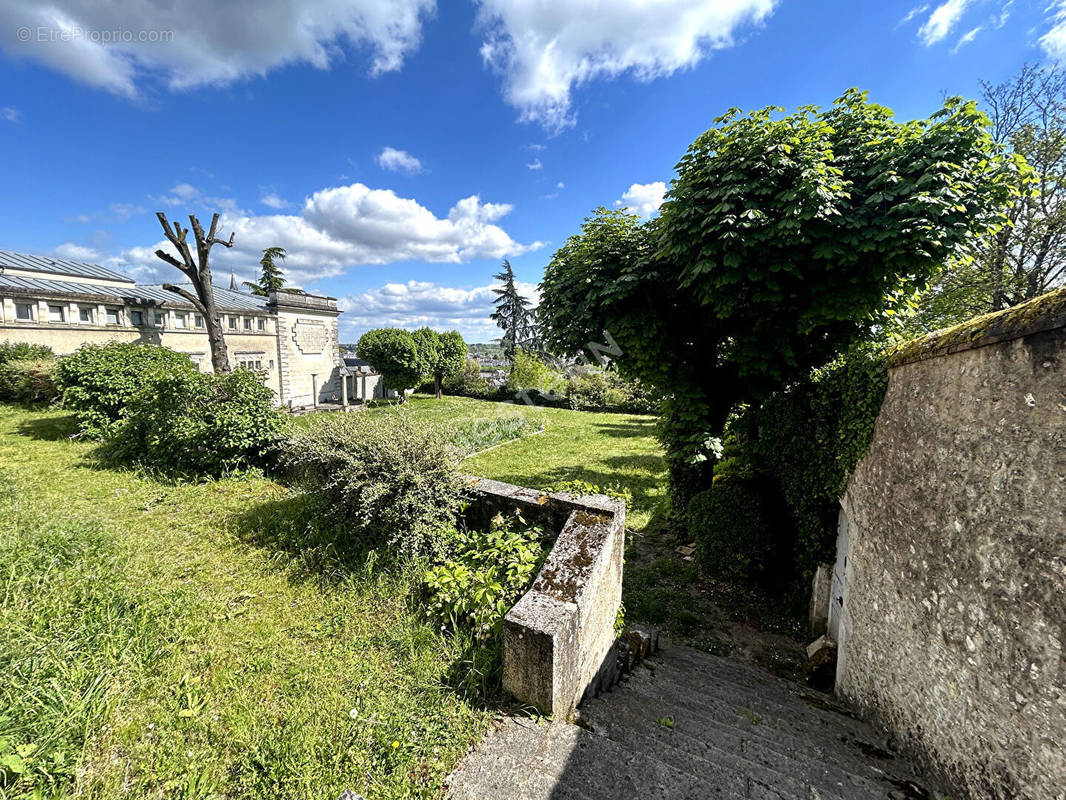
186,641
576,445
200,641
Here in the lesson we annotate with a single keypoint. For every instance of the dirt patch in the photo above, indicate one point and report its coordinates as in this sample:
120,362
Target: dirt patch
664,588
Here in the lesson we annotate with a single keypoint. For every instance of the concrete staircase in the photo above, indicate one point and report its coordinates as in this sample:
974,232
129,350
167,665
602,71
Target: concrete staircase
687,724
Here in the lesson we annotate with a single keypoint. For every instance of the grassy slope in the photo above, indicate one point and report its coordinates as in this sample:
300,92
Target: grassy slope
182,641
576,445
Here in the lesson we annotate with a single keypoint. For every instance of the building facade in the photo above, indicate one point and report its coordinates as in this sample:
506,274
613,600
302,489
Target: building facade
290,336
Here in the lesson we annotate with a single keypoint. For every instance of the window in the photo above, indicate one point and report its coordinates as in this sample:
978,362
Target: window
57,313
233,323
112,316
247,323
157,319
262,324
198,321
181,319
136,318
85,314
24,312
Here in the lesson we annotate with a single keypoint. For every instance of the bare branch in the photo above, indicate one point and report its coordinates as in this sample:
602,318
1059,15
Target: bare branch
163,254
187,295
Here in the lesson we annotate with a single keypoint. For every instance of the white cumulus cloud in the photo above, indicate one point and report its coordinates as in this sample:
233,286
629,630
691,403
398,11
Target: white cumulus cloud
643,198
118,45
346,226
78,252
545,48
272,200
941,22
10,114
423,303
399,161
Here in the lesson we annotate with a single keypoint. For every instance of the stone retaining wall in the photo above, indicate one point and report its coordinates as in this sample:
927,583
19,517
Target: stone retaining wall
953,624
559,634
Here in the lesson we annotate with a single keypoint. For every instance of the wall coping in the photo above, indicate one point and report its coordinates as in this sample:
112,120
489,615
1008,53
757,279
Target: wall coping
561,631
1044,313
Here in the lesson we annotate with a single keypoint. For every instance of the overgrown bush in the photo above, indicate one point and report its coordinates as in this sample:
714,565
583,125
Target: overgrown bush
791,456
27,381
97,382
731,531
393,479
24,351
193,423
486,575
606,390
530,372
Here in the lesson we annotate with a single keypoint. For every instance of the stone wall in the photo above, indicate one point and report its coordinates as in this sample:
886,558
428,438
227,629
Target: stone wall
954,605
308,351
558,636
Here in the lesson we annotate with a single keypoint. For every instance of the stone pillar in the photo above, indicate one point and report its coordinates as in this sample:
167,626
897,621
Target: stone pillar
344,390
314,390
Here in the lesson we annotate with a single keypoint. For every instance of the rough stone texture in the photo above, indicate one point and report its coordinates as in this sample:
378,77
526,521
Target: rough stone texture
558,635
818,612
689,725
954,616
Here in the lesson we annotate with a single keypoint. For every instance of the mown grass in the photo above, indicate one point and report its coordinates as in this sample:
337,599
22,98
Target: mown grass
601,449
200,641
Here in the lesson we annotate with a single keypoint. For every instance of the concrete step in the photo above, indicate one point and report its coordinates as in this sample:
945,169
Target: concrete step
836,771
738,732
741,719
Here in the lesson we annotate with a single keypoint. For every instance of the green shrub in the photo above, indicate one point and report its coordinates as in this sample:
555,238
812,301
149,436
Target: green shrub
391,478
606,390
793,455
97,382
488,573
27,381
731,532
529,372
193,423
24,351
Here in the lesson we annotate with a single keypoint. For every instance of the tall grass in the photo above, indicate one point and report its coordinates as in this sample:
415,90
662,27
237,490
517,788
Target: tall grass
205,641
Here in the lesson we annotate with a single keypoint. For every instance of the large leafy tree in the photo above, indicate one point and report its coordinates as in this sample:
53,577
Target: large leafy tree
513,314
783,239
271,278
1027,256
393,353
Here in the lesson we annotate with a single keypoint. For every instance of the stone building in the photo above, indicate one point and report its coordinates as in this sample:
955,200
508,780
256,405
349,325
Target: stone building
290,336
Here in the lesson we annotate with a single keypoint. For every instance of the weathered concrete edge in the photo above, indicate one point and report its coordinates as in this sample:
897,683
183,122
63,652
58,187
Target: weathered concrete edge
557,636
1044,313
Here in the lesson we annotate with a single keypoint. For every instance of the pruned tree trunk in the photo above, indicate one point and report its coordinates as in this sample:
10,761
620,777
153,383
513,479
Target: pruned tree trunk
438,383
198,271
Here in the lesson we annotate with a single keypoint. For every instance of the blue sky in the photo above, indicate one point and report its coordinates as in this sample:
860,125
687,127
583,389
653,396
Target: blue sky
400,150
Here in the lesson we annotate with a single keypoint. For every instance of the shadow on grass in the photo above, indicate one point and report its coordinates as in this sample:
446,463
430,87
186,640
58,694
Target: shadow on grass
300,535
49,429
630,429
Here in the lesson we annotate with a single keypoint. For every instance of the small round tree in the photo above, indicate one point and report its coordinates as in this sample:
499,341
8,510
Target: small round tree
450,358
393,354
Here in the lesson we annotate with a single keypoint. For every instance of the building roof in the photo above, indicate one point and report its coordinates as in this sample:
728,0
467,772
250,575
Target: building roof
58,266
145,294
